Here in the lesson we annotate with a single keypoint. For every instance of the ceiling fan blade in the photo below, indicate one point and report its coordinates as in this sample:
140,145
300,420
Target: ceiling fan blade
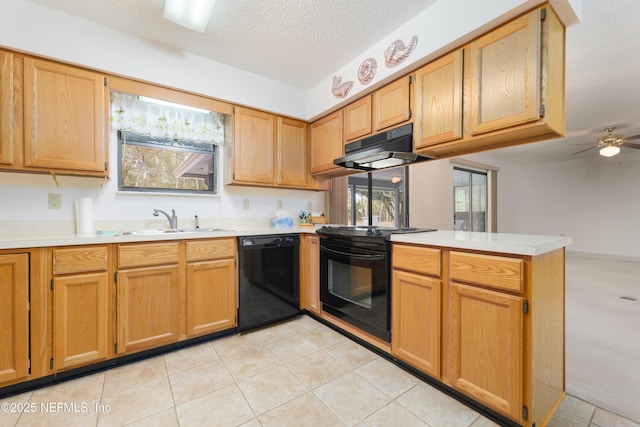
630,145
582,151
583,143
631,138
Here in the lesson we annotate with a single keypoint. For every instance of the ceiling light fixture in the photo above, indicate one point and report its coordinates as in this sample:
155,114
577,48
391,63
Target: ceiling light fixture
609,150
396,179
192,14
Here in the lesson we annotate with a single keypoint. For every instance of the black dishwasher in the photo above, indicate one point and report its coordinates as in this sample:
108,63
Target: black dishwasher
269,280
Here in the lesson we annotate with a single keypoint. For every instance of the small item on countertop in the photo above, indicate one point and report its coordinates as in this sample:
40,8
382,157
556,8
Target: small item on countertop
305,218
282,220
105,232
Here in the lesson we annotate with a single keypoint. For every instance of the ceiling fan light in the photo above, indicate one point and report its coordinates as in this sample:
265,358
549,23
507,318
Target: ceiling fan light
609,150
192,14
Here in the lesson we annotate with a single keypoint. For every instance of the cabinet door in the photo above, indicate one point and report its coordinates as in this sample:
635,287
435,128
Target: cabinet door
310,281
391,104
253,146
7,109
65,109
505,75
486,341
357,119
292,152
211,296
438,99
326,143
14,316
80,319
148,307
415,320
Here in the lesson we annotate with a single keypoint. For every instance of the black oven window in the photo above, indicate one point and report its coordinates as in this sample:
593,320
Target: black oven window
357,290
385,205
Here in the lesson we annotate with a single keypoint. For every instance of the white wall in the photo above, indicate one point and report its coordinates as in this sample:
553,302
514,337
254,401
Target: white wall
431,194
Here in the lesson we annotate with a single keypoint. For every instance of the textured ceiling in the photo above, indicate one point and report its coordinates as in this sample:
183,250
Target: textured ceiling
301,42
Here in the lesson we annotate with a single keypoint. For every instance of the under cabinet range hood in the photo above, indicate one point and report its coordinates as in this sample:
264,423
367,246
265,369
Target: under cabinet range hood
384,150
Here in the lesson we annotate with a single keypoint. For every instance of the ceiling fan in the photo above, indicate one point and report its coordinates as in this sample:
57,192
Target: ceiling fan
609,144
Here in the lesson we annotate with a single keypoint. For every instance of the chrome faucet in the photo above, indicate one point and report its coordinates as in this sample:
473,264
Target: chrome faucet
173,219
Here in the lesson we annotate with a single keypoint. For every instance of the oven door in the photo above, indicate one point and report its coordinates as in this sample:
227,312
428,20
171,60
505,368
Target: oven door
354,282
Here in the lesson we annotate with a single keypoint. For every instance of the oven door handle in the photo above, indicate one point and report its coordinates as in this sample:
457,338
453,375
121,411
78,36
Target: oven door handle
350,255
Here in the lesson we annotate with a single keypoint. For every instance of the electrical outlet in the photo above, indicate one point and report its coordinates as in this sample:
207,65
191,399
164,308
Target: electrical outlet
245,204
279,205
55,201
309,205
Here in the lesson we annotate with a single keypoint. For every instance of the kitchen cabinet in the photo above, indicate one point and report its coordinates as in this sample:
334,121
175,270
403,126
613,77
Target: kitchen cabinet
326,144
438,95
511,88
273,151
150,289
357,119
415,310
81,301
392,104
386,107
254,158
211,286
65,122
310,273
10,114
14,317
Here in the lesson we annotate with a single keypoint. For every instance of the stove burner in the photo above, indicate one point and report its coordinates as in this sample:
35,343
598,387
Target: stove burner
370,231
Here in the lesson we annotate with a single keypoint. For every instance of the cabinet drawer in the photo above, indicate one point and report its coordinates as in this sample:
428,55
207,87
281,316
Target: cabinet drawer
211,249
416,259
148,254
494,271
79,260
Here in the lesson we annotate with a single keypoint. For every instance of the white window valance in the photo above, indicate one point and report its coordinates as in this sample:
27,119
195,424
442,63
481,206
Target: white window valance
128,113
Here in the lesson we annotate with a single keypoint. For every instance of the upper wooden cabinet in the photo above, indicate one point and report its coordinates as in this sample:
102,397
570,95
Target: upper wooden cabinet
326,143
293,152
64,117
392,104
386,107
357,119
438,99
8,114
505,88
52,117
254,135
14,317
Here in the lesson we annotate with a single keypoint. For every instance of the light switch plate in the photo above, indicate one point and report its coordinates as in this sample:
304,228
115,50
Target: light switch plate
279,205
55,201
309,205
245,204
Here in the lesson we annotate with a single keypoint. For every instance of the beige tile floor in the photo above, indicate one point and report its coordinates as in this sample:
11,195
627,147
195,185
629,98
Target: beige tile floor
297,373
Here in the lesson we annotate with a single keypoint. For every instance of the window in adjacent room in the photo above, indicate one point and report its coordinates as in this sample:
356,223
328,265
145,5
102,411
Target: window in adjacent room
165,148
470,192
379,195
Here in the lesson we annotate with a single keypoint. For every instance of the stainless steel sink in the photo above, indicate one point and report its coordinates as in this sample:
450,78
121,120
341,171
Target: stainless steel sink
170,231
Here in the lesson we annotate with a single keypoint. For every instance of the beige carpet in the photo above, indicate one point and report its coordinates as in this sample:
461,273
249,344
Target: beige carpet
603,332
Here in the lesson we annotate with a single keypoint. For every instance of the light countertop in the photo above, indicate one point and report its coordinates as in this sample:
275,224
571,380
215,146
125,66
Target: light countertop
520,244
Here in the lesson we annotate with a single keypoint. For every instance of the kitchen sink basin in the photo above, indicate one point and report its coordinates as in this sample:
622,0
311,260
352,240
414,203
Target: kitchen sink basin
170,231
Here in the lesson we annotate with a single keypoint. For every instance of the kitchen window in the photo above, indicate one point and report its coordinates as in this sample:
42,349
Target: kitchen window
164,147
380,195
470,200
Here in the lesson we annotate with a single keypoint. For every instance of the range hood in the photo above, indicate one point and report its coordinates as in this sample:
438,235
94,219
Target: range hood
381,151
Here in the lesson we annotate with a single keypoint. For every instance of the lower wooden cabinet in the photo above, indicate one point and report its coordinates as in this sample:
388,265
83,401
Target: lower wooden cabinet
14,317
149,288
310,273
211,286
415,334
486,347
80,306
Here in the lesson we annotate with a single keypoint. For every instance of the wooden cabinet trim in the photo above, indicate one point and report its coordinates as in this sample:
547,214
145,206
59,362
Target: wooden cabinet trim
79,259
148,254
488,270
199,250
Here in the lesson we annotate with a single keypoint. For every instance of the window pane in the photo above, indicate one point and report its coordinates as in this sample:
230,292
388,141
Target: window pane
470,200
388,198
